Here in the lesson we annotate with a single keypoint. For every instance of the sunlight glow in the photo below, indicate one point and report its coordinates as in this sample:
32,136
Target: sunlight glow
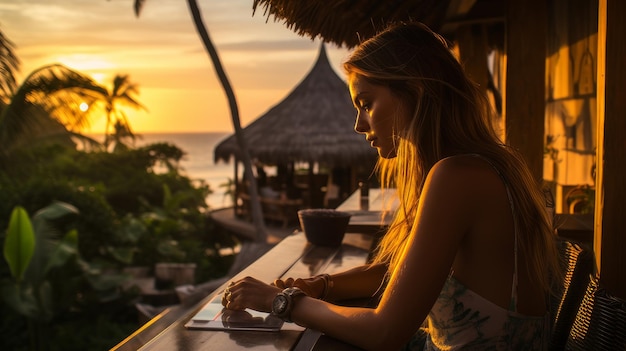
100,78
84,106
82,62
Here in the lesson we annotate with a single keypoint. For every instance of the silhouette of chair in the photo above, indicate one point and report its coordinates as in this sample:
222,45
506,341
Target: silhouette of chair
578,265
600,323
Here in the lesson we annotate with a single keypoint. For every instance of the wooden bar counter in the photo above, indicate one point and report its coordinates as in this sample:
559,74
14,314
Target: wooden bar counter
292,257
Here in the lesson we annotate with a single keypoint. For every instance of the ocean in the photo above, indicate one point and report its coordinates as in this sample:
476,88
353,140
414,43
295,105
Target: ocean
198,161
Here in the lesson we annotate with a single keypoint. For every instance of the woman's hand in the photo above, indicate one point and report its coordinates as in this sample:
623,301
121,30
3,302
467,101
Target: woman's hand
239,317
313,286
250,293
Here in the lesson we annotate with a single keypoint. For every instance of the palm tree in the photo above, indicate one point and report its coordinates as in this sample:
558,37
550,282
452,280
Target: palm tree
257,214
47,106
123,92
121,132
9,65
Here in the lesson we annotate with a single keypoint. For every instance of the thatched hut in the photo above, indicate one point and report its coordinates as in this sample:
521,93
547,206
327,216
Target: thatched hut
312,127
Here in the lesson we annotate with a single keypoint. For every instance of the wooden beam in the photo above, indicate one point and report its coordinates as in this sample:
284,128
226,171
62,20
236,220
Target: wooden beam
610,213
524,106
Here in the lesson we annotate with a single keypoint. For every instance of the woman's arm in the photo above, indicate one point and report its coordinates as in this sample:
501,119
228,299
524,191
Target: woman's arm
359,282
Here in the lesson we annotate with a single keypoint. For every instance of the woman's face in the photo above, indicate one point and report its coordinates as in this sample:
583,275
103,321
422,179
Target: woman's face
377,111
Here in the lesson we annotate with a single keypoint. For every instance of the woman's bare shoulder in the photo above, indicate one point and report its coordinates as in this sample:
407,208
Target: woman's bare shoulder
464,168
465,179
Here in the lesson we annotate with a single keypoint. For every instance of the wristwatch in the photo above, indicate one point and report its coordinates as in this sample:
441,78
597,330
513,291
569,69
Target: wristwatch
283,302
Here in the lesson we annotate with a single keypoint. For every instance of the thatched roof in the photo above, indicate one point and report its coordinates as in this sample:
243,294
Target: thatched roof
347,22
314,123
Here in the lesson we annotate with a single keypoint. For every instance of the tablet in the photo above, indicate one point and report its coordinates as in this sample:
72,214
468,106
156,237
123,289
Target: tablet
213,316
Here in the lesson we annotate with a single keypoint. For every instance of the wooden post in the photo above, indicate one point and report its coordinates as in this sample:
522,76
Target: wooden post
524,104
610,213
473,50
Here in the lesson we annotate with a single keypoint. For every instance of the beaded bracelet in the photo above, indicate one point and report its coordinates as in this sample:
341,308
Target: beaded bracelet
328,284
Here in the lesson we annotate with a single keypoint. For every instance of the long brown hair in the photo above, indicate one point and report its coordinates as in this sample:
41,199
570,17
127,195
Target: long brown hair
450,117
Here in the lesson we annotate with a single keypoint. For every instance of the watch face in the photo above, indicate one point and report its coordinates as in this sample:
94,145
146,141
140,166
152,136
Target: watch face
279,305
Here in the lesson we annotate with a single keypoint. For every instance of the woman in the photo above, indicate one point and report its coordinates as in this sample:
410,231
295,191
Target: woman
471,248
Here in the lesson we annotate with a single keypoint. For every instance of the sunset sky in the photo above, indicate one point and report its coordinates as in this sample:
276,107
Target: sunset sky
162,53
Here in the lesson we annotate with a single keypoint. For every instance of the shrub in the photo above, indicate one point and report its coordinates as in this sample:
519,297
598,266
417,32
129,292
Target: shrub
134,207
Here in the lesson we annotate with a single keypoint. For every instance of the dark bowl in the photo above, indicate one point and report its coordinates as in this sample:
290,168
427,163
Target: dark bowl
324,227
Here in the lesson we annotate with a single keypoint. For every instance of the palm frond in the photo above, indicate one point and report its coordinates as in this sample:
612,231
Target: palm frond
124,92
9,65
52,92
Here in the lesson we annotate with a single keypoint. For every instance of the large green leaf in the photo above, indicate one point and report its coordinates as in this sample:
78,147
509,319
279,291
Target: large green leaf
67,248
19,243
122,254
47,240
56,210
107,281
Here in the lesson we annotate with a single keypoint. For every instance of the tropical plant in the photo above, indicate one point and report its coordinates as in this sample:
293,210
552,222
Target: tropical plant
9,65
122,93
255,202
46,106
229,190
48,275
135,204
121,132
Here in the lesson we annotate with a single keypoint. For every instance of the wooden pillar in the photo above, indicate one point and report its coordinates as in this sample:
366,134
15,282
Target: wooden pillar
610,213
524,110
473,50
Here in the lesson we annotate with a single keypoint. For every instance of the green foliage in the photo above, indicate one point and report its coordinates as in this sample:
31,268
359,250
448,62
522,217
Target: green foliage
136,208
57,279
19,243
130,213
229,189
